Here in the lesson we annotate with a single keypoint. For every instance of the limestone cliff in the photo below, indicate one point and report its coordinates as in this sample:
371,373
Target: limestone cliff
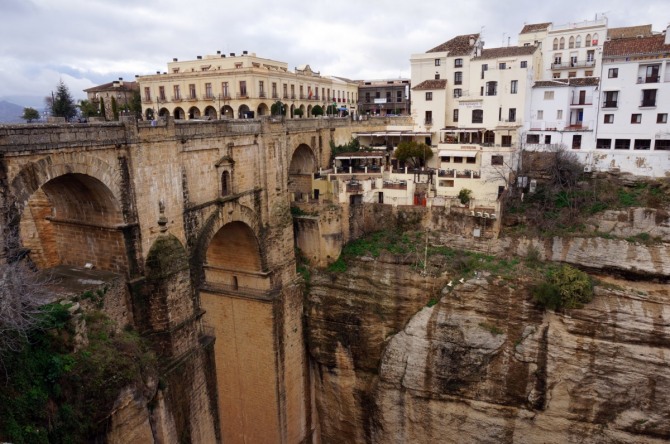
484,364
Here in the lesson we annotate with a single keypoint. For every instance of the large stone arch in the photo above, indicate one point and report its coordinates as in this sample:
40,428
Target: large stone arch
262,110
193,113
68,211
301,172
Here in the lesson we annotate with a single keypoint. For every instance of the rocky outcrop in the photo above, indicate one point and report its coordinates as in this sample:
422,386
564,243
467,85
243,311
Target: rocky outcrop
485,364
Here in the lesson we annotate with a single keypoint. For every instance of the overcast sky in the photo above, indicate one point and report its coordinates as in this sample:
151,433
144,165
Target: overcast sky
90,42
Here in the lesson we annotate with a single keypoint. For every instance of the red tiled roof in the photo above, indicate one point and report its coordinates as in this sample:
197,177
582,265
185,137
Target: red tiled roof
527,29
631,46
629,31
122,86
459,45
560,83
507,51
431,84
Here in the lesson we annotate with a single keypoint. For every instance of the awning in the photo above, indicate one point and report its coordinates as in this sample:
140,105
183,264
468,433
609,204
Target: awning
460,130
457,153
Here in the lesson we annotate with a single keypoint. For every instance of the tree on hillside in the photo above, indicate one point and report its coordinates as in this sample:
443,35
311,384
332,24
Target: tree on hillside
62,103
416,154
30,114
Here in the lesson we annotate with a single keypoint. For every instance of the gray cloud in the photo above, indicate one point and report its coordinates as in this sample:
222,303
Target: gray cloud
88,42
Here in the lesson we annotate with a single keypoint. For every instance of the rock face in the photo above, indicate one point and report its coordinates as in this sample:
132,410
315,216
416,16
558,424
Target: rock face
485,364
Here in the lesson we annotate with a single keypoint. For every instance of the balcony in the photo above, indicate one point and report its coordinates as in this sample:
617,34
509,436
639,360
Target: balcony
242,95
292,96
275,96
225,96
573,65
146,100
209,96
610,104
302,96
427,122
176,98
262,95
192,98
648,103
354,187
395,185
587,100
652,79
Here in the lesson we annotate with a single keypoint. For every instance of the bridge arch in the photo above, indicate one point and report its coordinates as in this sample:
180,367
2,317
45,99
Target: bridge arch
70,213
301,172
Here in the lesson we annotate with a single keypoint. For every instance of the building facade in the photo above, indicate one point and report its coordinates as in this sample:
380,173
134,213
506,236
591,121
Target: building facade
239,87
384,97
112,98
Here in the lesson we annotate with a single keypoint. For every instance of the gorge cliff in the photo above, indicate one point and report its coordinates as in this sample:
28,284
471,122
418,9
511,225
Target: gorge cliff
404,350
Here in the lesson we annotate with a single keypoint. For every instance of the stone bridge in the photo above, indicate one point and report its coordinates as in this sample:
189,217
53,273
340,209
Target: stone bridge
195,217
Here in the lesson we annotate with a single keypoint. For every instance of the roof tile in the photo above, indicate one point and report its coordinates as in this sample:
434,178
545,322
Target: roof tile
631,46
459,45
527,29
431,84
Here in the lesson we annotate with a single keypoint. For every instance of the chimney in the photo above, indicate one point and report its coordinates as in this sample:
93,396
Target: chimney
218,52
472,40
245,52
121,81
158,72
174,59
199,57
232,54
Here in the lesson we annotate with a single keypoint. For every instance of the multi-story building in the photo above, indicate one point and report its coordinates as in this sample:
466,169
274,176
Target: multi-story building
114,96
563,115
633,133
384,97
243,86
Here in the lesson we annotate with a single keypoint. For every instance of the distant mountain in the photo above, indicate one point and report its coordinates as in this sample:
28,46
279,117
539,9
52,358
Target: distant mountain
10,112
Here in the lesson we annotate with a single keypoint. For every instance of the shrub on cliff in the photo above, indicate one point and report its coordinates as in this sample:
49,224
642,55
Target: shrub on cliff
566,287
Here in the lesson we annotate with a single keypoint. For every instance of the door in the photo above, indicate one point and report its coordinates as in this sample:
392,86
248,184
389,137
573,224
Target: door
582,97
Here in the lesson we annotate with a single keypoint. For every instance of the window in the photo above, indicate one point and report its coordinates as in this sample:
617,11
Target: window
587,43
147,94
590,56
513,86
588,73
437,62
636,118
662,118
274,90
651,74
556,75
613,73
573,60
477,116
496,160
502,65
238,65
506,141
456,115
621,144
572,74
447,183
648,97
261,88
225,90
429,96
532,138
458,92
429,118
176,90
548,95
458,78
555,47
302,95
470,160
388,96
611,99
571,42
576,142
662,145
547,139
594,40
559,114
603,144
491,88
285,91
437,76
243,87
609,118
524,64
642,144
378,94
578,41
561,43
511,115
485,68
540,114
558,59
398,96
367,97
458,63
161,93
208,90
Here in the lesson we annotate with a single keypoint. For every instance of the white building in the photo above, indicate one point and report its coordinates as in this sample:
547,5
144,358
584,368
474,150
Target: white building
633,133
563,114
